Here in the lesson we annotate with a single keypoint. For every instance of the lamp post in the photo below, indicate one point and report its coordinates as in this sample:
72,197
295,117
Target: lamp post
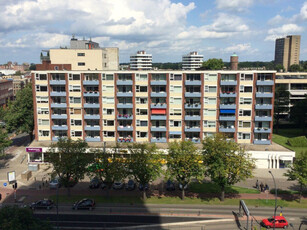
275,199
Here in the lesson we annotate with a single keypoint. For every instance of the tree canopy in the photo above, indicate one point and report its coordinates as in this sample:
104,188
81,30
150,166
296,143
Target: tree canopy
4,140
294,68
213,64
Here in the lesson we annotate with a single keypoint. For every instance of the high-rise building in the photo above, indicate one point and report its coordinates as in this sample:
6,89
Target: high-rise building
192,61
141,61
287,51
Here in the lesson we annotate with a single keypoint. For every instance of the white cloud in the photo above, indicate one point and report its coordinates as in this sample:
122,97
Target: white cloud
303,12
283,31
276,20
234,5
240,48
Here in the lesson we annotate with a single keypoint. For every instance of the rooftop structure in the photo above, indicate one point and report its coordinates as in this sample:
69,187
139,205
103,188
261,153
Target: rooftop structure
141,61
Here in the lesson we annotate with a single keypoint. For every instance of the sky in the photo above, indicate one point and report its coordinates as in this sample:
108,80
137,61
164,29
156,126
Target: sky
167,29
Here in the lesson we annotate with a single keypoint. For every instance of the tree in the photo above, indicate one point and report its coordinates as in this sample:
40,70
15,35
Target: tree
298,113
183,163
19,114
298,171
145,163
15,218
4,140
281,103
294,68
226,162
70,160
279,67
213,64
32,66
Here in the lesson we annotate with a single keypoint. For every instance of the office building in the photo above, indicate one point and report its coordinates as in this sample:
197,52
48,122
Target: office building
192,61
141,61
287,51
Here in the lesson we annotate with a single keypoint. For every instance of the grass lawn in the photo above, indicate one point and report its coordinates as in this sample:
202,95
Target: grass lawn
213,188
177,200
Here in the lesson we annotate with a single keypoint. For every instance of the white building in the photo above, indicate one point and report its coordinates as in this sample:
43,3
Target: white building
192,61
141,61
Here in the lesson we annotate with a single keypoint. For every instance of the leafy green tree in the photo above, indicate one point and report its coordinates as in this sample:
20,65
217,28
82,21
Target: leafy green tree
213,64
15,218
2,113
298,113
32,66
294,68
184,163
69,159
281,103
145,163
19,114
226,162
279,67
298,171
4,141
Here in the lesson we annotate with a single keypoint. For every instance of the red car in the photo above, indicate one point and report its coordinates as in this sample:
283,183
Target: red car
280,222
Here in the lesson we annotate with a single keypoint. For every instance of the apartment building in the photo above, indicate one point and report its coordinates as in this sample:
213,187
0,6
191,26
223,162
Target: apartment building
6,91
141,61
153,106
192,61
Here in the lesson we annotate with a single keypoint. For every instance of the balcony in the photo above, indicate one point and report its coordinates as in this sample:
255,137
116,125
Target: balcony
263,118
158,106
59,116
194,140
228,94
192,129
228,82
124,128
124,82
227,118
60,127
228,106
56,93
92,116
158,94
192,118
92,128
158,129
92,139
124,117
262,142
158,82
263,106
262,130
125,139
227,130
124,94
267,82
194,94
55,138
158,140
57,82
58,105
193,82
91,94
124,105
93,82
192,106
91,106
158,117
267,95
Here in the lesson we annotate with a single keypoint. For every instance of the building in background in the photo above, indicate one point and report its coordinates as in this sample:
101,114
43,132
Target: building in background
287,51
81,55
15,67
6,91
234,62
141,61
192,61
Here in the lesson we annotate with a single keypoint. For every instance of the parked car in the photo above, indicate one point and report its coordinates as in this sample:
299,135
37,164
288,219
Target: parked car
280,222
181,186
130,185
143,187
84,204
42,204
117,185
95,183
170,186
54,183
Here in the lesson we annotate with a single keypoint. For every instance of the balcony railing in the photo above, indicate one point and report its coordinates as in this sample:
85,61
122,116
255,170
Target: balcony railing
194,94
158,140
59,116
158,117
263,106
158,94
124,94
267,95
124,117
228,82
92,116
58,93
227,118
193,82
192,117
124,82
262,130
228,94
60,127
227,129
125,105
92,128
57,82
158,106
158,82
194,140
228,106
265,82
262,142
58,105
92,139
92,105
125,139
90,82
192,129
192,106
91,94
124,128
158,129
263,118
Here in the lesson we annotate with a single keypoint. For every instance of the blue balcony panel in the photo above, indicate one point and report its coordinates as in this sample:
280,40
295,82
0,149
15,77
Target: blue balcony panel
58,105
175,132
127,82
228,82
63,127
158,129
58,94
195,94
59,116
192,118
88,94
257,118
266,95
125,106
192,106
262,130
90,82
160,94
93,117
227,118
126,94
262,142
92,128
125,139
197,83
58,138
158,140
125,117
264,107
92,139
57,82
158,106
227,130
158,117
271,82
158,82
190,130
233,106
228,94
194,140
121,128
94,105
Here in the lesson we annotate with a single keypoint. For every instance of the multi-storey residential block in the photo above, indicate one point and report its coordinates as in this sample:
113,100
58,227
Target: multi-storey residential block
141,61
192,61
6,91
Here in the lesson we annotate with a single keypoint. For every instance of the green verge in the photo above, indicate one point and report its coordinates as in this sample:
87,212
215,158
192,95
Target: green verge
211,188
176,200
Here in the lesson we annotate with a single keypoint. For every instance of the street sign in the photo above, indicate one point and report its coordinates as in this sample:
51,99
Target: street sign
4,184
11,177
34,150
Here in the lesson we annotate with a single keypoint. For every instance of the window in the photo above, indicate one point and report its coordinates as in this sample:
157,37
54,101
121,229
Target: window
74,88
140,88
210,112
108,100
176,112
108,134
175,100
244,124
43,110
76,122
211,77
210,124
141,134
141,77
43,121
108,88
142,123
108,111
175,77
245,113
75,133
41,88
81,54
176,88
107,77
75,111
175,123
108,122
75,100
246,89
41,77
141,111
81,63
43,133
244,136
245,100
141,100
42,99
74,77
246,77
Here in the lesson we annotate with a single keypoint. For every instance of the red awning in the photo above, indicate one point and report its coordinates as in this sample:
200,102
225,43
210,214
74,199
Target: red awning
158,111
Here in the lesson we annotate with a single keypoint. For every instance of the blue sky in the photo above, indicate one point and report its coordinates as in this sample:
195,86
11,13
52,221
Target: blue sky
165,28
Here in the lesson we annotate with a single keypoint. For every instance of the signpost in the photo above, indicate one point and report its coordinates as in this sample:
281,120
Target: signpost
11,178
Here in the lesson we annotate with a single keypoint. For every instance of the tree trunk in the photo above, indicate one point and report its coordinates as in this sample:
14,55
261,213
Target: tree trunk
301,189
223,193
182,194
144,195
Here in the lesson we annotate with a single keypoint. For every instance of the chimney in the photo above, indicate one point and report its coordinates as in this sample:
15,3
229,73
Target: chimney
234,60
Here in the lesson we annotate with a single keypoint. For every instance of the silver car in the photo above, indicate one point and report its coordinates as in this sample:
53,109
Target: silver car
54,183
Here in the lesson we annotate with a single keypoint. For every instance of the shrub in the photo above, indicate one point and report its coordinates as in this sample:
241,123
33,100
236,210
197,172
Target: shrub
298,141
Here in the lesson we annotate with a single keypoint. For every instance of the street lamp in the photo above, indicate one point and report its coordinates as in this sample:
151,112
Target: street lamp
275,199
